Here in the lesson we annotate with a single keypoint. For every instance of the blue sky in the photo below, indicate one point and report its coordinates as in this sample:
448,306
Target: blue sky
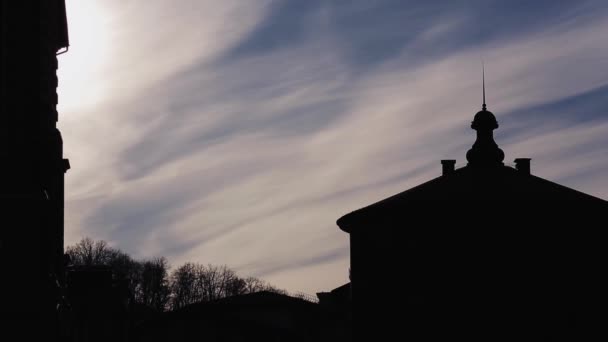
237,132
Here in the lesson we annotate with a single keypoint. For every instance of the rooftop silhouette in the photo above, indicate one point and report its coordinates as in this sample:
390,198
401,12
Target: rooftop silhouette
485,252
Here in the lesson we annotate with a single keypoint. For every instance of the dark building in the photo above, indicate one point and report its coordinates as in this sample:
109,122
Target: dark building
98,305
32,32
259,316
337,303
485,252
339,299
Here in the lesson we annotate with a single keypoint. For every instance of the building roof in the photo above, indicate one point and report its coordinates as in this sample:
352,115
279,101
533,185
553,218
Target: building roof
261,299
341,295
485,178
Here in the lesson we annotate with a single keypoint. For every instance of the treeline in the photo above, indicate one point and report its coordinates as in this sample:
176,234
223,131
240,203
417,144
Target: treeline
151,283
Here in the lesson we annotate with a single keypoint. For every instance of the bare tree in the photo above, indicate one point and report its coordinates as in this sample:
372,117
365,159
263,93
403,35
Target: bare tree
182,286
125,272
90,253
253,284
194,283
145,282
153,284
148,282
215,282
236,286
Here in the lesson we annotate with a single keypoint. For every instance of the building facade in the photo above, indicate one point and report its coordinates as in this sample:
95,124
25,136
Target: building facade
485,252
32,170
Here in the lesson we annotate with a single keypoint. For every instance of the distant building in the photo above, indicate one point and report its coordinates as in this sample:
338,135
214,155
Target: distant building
32,32
259,316
485,252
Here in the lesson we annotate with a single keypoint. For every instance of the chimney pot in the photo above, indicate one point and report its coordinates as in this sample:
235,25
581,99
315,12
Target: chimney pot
448,166
523,165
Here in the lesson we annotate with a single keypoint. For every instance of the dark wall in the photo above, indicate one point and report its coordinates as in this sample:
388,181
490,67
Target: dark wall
480,271
32,167
31,33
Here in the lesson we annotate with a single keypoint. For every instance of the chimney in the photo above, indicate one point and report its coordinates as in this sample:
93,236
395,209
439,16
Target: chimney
448,166
523,165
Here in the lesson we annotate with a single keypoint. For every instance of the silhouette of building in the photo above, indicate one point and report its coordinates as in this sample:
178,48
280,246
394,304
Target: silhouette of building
339,298
98,305
259,316
485,252
32,32
337,303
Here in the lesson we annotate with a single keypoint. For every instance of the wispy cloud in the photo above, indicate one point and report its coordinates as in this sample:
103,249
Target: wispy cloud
238,132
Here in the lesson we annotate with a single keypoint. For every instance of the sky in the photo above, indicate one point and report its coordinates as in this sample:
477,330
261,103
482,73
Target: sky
237,132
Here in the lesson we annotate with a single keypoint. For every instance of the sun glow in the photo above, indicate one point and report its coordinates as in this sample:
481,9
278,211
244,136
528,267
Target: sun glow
81,69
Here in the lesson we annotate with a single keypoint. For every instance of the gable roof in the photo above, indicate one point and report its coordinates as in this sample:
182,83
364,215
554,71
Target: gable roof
500,183
261,299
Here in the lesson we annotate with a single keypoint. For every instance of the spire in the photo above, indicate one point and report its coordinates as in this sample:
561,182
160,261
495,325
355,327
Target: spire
485,151
483,82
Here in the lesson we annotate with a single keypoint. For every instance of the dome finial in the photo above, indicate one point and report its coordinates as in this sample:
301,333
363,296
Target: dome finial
483,82
485,151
